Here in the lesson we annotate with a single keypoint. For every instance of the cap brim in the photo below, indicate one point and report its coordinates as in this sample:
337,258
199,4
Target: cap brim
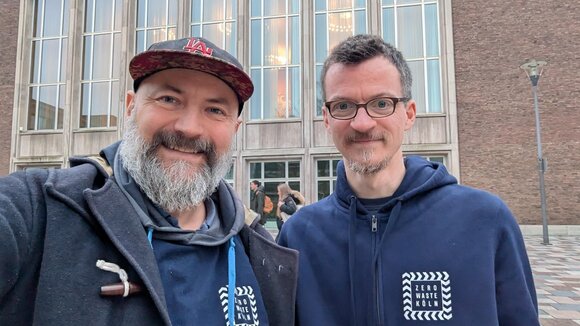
150,62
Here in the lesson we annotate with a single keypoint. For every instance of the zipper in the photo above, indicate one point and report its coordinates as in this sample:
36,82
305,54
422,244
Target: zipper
374,229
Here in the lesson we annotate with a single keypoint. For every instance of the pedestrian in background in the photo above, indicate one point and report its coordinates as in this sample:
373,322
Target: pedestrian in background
257,197
286,204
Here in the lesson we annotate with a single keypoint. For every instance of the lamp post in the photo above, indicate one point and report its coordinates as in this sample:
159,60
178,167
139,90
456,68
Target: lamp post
534,69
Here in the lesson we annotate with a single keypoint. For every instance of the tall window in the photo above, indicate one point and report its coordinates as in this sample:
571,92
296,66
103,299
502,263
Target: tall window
216,21
275,58
413,27
325,177
46,98
334,21
101,64
156,22
230,176
270,174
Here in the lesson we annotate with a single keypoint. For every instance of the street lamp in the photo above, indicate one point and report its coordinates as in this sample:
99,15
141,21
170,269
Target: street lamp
534,70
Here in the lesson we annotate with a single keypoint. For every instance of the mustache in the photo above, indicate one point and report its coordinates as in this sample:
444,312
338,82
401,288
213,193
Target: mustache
179,140
363,136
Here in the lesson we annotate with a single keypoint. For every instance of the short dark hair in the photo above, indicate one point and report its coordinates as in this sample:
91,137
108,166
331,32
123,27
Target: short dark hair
359,48
256,182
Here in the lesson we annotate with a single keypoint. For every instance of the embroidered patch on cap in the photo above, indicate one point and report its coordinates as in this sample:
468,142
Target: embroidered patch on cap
196,45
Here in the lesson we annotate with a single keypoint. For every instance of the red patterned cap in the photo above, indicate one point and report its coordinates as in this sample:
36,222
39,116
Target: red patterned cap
192,53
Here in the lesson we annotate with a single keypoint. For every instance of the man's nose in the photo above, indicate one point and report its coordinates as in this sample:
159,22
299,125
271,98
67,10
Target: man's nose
190,122
362,121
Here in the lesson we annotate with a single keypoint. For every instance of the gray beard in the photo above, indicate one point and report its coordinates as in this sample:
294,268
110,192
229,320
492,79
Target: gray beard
364,167
174,187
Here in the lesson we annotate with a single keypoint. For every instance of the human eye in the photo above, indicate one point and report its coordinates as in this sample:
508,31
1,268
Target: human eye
217,111
381,104
167,99
221,112
342,106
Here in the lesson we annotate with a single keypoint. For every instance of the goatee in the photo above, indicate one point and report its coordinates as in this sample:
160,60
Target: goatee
364,166
175,185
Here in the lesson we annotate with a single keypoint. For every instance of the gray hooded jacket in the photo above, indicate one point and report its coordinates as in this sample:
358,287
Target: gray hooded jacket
55,225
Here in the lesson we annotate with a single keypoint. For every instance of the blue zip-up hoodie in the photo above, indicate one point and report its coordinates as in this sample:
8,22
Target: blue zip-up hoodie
436,253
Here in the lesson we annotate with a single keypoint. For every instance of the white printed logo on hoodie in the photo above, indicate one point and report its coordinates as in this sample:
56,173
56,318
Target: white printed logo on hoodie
427,296
246,310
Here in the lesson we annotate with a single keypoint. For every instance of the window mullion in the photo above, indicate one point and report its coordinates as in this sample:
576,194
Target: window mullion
286,69
40,59
59,63
425,66
146,26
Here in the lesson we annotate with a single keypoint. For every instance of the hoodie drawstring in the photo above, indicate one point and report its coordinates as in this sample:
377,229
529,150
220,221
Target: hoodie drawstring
351,262
150,236
231,280
231,275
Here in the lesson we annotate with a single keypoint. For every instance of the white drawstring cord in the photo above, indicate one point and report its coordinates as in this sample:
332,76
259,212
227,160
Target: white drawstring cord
111,267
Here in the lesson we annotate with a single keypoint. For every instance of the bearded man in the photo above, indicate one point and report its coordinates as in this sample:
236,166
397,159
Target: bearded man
147,233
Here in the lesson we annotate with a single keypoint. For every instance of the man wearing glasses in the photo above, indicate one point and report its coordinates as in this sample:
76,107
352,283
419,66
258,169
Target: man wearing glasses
399,242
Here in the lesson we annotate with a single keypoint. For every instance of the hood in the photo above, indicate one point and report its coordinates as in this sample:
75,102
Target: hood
228,208
420,176
298,197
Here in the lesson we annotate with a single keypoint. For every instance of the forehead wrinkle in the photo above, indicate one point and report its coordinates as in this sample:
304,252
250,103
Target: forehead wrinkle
153,88
170,87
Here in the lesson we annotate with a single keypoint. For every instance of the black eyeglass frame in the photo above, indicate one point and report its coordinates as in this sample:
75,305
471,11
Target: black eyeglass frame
395,101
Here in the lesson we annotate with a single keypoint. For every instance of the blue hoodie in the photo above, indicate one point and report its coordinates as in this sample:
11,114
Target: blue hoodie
436,253
206,274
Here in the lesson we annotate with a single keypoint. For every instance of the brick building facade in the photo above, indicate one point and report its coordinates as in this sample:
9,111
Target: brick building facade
497,138
9,13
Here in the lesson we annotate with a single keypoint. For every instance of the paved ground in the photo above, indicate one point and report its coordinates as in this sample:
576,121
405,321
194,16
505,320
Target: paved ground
556,270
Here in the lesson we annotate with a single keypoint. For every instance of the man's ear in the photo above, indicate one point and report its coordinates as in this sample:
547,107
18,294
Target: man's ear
129,102
410,113
325,117
238,123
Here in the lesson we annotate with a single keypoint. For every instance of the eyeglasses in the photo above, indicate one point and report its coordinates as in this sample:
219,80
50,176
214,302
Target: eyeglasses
376,108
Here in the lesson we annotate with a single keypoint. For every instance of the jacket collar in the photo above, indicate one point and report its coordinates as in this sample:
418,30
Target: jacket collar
129,237
89,190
